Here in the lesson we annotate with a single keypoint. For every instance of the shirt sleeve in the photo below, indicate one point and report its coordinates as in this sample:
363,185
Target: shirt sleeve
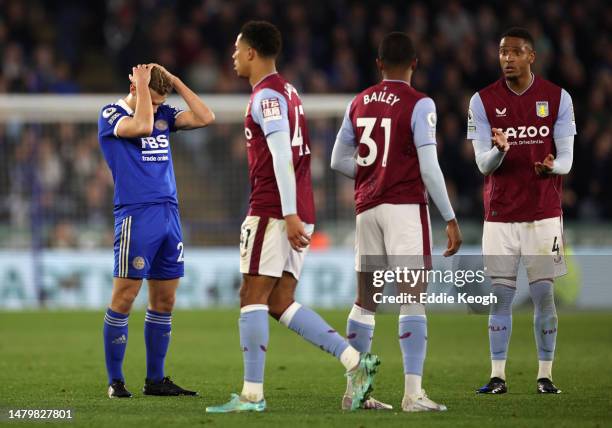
478,127
423,122
109,119
346,134
343,153
434,180
565,126
269,111
488,158
279,144
565,155
171,113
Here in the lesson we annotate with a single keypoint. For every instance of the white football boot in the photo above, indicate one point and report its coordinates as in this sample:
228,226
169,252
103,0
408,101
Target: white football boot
421,403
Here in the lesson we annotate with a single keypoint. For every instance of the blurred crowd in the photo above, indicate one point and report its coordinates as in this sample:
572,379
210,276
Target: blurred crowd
71,46
55,186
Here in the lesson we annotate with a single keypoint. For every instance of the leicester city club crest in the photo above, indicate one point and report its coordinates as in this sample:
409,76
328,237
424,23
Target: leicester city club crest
542,108
161,125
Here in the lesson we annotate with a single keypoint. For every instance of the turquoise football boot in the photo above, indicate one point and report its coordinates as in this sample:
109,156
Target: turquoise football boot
362,379
237,405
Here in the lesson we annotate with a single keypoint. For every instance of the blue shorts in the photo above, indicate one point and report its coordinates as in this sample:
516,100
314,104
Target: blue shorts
148,242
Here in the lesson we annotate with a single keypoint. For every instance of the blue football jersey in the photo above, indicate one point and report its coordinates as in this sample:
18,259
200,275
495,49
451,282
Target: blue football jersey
141,167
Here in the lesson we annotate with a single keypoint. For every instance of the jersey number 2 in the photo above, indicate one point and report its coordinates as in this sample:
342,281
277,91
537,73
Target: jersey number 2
180,258
366,138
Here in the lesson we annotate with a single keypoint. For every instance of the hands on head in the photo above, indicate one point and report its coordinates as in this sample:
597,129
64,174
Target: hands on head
141,75
171,76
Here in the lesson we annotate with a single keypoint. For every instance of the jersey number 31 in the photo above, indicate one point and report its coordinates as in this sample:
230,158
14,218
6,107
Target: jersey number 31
366,138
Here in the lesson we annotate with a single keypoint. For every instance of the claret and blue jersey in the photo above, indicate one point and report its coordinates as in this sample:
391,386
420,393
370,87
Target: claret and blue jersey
148,236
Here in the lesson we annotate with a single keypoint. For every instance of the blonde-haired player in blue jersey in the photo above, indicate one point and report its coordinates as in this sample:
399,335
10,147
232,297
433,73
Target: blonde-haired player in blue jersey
134,135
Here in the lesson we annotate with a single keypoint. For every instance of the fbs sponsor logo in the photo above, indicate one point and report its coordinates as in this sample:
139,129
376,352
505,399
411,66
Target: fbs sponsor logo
500,112
138,263
121,340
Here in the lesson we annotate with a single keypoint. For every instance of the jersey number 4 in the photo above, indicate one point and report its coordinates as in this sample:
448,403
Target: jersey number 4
366,138
297,139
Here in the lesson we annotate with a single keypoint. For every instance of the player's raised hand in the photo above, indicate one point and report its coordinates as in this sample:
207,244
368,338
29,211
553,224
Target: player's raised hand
454,238
141,75
295,233
171,76
546,166
500,140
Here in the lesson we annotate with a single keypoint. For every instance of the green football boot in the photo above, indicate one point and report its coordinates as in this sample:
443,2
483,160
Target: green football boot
362,378
237,405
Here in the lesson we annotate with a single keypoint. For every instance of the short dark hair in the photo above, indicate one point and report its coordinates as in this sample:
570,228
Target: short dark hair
520,33
396,49
262,36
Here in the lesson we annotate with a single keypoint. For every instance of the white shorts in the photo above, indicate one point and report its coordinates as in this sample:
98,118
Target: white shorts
539,243
393,230
265,249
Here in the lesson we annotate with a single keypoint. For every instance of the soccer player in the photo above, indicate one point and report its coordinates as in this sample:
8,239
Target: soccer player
387,144
522,129
276,232
134,134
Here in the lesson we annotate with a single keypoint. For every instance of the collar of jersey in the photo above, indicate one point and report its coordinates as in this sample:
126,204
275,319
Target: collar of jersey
121,103
264,78
526,89
397,81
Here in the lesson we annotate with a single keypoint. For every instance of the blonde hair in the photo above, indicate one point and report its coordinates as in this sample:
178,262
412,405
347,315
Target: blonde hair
160,82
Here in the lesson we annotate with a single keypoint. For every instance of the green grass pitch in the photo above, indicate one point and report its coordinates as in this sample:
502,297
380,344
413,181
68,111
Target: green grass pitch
55,360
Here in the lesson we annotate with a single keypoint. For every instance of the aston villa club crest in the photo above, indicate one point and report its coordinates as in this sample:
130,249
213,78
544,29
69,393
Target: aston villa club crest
542,108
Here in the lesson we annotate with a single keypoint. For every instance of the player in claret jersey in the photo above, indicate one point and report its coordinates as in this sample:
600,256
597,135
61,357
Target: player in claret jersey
522,129
276,232
387,143
134,135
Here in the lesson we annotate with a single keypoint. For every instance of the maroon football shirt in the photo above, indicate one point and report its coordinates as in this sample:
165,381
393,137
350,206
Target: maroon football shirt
514,192
388,167
265,200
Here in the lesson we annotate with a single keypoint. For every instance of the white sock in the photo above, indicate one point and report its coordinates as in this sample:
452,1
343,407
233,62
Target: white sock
349,358
349,387
545,369
498,369
412,384
252,391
